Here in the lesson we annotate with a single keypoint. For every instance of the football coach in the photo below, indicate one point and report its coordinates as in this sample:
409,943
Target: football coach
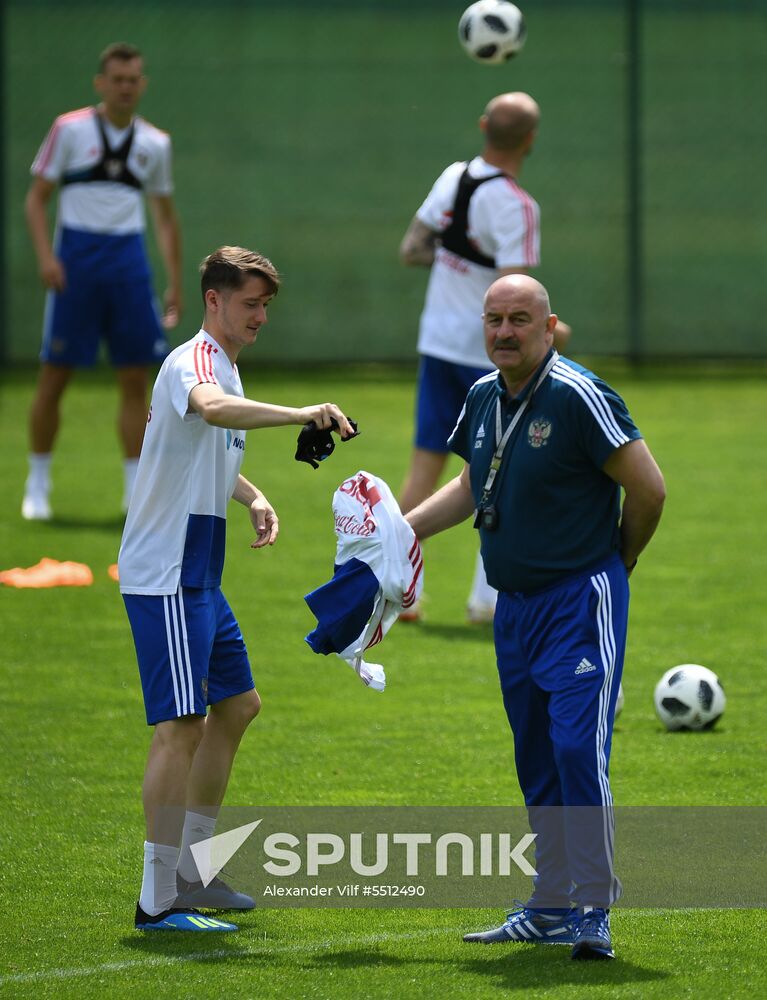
548,449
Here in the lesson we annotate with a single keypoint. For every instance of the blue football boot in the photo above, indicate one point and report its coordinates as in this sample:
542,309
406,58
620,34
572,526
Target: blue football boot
180,918
592,934
532,926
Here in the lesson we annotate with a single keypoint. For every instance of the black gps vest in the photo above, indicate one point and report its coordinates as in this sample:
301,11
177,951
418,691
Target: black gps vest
454,238
113,165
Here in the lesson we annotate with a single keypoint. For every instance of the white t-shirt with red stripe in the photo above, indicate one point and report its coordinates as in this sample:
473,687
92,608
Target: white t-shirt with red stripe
175,532
503,223
74,144
373,535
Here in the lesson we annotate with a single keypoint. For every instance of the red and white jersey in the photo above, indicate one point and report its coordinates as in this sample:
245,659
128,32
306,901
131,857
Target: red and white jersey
379,549
74,144
503,223
370,527
175,532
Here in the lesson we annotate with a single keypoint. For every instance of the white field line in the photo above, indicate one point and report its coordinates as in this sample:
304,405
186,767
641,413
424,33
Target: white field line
41,975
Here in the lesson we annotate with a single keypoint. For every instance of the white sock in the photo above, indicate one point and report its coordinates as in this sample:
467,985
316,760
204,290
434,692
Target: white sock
196,828
482,594
158,888
130,466
39,478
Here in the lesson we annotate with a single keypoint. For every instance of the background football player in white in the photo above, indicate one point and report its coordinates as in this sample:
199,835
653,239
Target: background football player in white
476,225
104,159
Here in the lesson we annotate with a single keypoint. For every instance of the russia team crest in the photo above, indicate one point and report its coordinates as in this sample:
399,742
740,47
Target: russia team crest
538,432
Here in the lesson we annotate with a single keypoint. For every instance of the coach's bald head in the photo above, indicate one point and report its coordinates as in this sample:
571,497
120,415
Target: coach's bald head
519,327
520,286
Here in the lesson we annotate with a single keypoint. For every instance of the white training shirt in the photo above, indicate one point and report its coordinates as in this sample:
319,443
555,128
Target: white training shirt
175,532
74,143
504,223
370,528
377,543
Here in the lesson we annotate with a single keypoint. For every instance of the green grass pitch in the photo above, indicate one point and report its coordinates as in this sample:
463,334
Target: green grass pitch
74,738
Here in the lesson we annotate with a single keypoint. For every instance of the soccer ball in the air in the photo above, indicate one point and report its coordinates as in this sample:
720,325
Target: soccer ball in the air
492,31
689,697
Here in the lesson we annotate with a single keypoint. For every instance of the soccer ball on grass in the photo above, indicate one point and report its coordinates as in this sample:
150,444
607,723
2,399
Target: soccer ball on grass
492,31
689,697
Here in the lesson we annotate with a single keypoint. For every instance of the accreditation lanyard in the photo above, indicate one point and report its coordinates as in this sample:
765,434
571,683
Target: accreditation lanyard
502,439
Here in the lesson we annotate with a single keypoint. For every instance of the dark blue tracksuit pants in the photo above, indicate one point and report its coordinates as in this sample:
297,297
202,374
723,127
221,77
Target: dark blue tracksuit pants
560,659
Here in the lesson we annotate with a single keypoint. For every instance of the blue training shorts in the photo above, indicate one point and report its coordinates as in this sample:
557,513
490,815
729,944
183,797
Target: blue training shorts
442,390
190,652
108,296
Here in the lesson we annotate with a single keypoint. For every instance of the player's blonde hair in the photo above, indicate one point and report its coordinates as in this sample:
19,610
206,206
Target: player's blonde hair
123,51
227,269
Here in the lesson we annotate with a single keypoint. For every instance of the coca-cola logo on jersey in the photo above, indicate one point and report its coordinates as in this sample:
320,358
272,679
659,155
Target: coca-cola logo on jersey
366,494
348,524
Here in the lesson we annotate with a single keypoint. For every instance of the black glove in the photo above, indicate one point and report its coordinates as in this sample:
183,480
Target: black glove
314,445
